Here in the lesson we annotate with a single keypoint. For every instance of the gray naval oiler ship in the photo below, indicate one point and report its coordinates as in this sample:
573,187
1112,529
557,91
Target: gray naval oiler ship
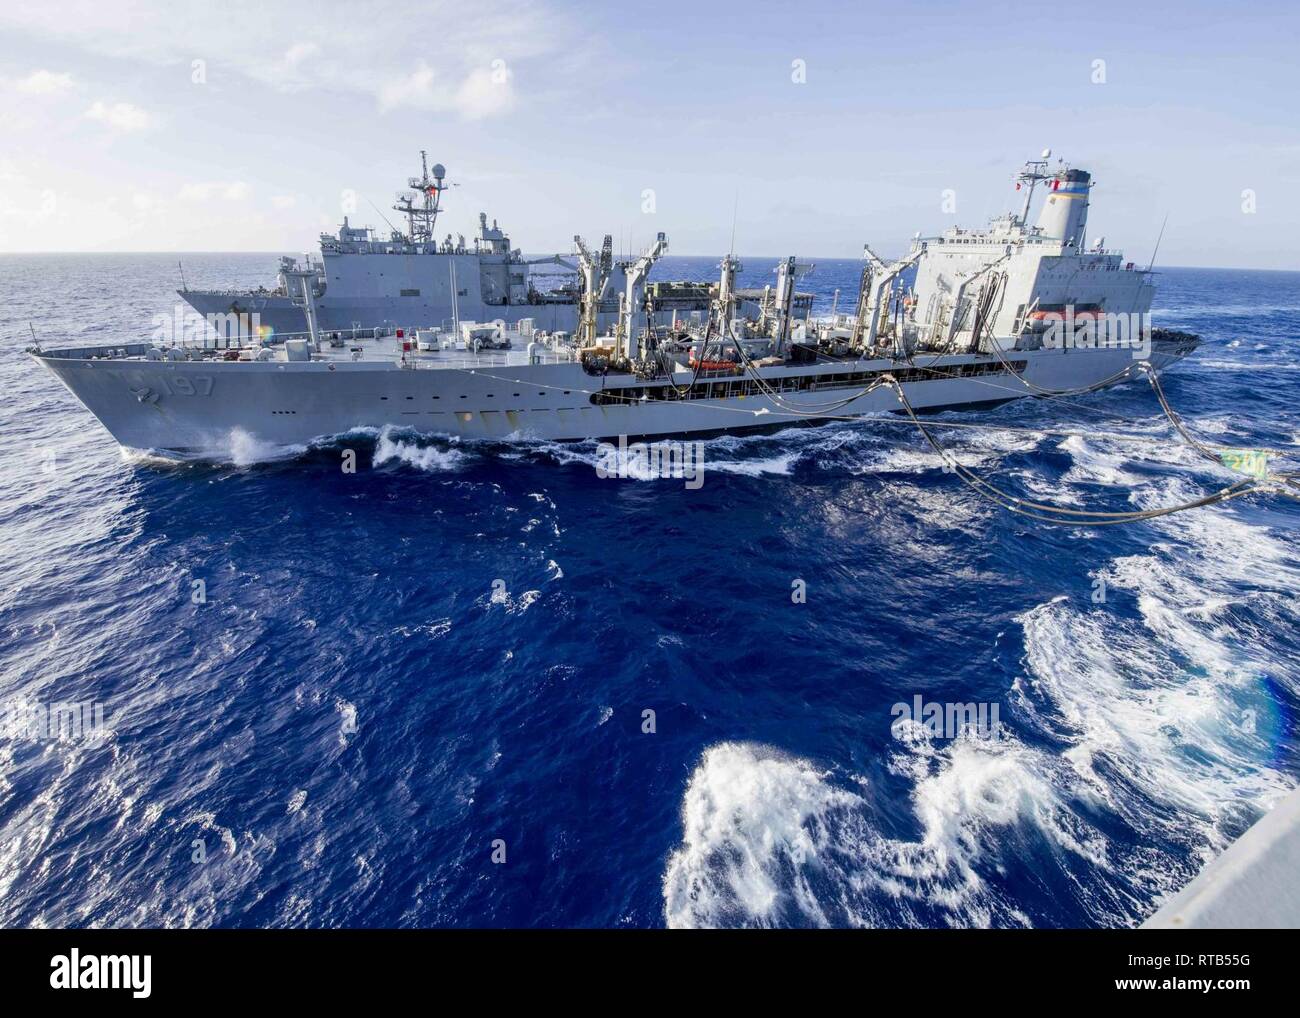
991,315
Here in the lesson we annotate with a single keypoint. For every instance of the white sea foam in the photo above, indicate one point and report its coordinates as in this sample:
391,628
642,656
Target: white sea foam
1215,425
774,840
237,447
347,720
150,457
245,450
423,457
860,447
513,605
779,452
1162,704
755,823
1135,724
897,451
1043,490
1253,366
723,454
1092,464
753,468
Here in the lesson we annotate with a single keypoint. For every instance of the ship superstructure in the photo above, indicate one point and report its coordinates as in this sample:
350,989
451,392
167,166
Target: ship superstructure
989,316
1015,280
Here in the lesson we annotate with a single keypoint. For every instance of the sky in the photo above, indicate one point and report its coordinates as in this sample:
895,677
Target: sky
810,128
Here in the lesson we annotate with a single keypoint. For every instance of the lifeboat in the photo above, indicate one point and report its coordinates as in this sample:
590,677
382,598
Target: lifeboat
1090,313
711,360
713,365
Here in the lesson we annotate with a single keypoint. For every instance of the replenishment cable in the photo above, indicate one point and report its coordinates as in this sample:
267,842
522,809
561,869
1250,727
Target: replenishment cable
1047,513
1035,510
1215,454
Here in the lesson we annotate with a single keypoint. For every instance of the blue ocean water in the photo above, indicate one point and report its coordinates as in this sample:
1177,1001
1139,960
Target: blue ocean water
449,654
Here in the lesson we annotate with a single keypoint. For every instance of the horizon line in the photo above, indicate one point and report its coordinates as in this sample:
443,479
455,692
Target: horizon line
837,258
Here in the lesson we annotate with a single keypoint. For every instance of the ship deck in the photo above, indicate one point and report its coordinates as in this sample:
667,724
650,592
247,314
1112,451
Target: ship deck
390,351
364,351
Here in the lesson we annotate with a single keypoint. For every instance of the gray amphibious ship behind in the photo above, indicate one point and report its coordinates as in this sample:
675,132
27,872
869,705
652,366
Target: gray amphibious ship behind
363,281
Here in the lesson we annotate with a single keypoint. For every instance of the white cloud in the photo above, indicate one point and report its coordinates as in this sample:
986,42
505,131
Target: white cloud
284,201
298,52
417,89
484,92
292,70
44,82
343,47
24,198
207,190
120,116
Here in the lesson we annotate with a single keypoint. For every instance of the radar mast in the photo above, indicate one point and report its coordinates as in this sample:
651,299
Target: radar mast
420,204
1032,172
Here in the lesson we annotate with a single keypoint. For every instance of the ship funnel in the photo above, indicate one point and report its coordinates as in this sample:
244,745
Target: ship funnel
1065,211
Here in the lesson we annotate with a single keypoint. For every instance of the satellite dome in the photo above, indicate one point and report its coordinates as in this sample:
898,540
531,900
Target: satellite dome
439,171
